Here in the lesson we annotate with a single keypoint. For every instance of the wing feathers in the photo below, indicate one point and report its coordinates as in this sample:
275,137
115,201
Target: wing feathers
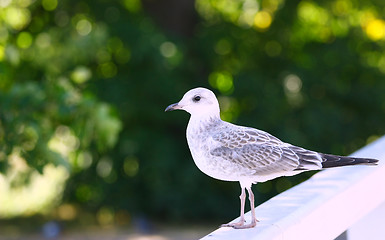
259,151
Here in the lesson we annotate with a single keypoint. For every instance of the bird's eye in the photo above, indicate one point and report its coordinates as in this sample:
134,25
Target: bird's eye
197,98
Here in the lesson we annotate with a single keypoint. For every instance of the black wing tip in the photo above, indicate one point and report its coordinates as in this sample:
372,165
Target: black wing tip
372,161
330,160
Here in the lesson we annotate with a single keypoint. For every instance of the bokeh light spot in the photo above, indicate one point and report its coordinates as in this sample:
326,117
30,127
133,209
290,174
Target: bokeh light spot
24,40
292,86
105,216
246,18
84,160
222,47
49,5
108,69
17,18
168,49
375,29
132,5
342,7
64,141
223,81
66,212
104,167
131,166
293,83
81,74
229,108
262,20
43,40
83,27
309,12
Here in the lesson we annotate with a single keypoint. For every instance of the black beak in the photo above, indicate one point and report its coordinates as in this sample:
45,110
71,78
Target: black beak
172,107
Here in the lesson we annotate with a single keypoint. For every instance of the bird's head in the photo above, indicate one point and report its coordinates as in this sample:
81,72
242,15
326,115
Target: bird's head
197,101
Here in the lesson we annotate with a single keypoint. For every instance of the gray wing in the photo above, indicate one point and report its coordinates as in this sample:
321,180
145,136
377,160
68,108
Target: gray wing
261,152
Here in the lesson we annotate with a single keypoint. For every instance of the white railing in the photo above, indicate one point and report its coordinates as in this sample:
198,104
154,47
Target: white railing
331,202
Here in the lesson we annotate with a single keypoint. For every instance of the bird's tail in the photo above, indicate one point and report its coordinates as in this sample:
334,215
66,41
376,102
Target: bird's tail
329,161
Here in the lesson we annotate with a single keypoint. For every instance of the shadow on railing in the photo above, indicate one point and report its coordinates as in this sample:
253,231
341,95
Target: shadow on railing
348,202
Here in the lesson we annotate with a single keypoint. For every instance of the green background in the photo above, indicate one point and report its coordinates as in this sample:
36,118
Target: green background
84,85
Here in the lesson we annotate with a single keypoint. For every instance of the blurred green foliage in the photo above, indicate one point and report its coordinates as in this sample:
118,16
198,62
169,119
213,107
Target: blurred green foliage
83,87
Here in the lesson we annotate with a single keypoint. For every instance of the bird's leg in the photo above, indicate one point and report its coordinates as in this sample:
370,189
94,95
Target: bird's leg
241,221
252,208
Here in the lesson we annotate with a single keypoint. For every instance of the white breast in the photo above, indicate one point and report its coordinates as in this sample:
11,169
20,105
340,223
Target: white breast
200,143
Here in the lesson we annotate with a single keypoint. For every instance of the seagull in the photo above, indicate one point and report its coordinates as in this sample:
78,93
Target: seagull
229,152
